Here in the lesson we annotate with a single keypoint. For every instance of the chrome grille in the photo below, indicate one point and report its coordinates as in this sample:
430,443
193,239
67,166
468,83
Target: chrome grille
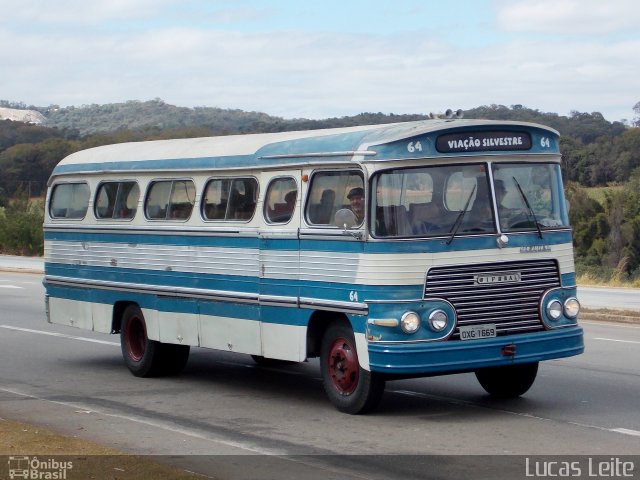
511,306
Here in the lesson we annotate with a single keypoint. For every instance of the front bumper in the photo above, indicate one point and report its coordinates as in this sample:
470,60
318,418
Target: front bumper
433,358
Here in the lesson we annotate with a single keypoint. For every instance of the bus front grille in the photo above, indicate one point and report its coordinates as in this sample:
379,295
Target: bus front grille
504,294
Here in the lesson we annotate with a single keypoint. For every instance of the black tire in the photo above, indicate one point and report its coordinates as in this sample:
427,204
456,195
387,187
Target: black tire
144,357
508,382
349,387
270,362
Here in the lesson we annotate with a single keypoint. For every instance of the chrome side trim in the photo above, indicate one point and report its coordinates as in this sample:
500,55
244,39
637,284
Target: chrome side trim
335,305
384,322
154,230
278,301
160,290
217,295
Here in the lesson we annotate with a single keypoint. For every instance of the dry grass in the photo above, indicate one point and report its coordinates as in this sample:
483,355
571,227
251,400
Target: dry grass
592,280
89,460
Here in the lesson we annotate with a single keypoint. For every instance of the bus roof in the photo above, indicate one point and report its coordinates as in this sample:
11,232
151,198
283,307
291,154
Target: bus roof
268,149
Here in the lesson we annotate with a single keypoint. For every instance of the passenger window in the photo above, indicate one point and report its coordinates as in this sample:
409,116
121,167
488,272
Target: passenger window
332,191
170,200
280,200
117,200
230,199
69,200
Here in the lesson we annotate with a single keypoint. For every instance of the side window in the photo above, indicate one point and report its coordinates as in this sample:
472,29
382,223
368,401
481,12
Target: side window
230,199
170,200
69,200
332,191
280,201
117,200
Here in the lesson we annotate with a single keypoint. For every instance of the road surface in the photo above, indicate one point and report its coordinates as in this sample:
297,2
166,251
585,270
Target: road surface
226,417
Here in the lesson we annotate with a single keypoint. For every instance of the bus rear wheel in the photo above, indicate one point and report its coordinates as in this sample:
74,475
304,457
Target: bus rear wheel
144,357
349,387
508,382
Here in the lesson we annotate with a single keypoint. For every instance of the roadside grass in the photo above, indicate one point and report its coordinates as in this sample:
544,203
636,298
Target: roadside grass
89,460
609,315
588,279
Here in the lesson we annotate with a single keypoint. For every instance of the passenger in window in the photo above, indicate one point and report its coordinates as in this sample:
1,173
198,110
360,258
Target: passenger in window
425,218
481,210
290,200
501,191
356,199
325,209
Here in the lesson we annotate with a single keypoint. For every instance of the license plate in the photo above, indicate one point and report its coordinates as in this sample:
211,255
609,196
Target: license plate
475,332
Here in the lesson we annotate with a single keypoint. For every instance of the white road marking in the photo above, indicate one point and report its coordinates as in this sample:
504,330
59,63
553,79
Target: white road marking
624,431
616,340
155,423
10,286
60,335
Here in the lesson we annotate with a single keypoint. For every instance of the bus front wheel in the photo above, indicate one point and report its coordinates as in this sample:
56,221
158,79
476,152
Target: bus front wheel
144,357
508,382
349,387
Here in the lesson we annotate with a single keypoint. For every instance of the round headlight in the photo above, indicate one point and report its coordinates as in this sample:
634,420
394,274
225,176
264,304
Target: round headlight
438,320
410,322
554,309
571,307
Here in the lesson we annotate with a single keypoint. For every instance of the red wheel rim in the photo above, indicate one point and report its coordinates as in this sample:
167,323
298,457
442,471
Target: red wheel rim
136,338
343,366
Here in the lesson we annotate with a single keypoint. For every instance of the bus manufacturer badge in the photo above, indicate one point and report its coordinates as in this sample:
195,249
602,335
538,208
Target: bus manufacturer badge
494,278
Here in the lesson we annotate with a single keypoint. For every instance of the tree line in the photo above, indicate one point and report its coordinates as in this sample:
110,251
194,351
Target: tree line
596,153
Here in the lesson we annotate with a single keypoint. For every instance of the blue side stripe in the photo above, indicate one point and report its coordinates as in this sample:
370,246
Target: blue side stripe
286,288
434,245
149,301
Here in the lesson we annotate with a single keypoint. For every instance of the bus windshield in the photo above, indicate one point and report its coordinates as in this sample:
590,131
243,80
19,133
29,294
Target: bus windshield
432,201
443,200
529,194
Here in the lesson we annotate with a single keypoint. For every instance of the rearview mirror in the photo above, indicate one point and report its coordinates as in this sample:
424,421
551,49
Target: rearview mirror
345,218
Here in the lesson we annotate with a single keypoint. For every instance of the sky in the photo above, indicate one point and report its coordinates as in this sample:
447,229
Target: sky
325,58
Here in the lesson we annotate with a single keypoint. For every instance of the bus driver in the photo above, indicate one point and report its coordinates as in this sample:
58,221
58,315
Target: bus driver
356,198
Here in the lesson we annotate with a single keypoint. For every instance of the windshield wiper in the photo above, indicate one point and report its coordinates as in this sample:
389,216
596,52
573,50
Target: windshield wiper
526,202
458,222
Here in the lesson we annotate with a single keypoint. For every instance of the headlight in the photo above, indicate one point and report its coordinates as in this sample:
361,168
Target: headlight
571,307
554,309
438,320
410,322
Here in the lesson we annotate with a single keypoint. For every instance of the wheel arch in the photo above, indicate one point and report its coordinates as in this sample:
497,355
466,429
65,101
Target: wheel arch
118,309
317,326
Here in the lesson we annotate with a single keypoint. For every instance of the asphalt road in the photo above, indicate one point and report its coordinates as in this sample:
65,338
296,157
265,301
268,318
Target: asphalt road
612,298
226,417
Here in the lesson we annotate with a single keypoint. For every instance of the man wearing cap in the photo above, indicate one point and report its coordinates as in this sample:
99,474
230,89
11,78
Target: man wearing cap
356,197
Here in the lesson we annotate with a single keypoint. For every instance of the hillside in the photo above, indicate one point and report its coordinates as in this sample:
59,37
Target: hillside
158,116
596,153
18,115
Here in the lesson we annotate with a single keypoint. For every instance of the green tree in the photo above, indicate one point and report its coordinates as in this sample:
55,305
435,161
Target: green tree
590,225
21,227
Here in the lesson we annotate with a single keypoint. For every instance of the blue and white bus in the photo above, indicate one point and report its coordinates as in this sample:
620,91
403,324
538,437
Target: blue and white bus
388,251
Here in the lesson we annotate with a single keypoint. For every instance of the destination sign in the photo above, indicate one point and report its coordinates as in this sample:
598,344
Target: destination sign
483,142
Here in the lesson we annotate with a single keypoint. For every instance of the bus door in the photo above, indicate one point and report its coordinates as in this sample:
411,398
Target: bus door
279,267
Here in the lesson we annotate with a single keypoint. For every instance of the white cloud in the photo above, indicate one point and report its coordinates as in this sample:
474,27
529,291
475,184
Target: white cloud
78,12
317,75
588,17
